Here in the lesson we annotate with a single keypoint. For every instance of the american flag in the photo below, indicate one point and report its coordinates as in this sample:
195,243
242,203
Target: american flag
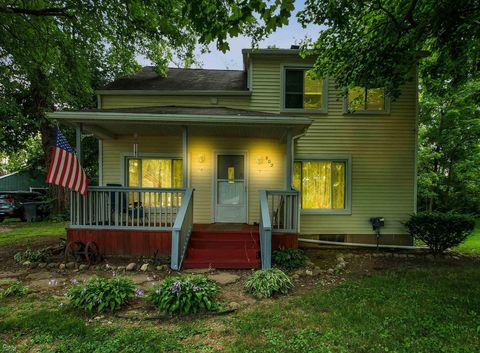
65,169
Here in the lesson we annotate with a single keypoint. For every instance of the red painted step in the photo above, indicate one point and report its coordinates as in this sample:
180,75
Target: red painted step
223,249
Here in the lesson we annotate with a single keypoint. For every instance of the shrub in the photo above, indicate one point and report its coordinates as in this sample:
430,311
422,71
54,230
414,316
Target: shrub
440,231
41,255
186,295
289,259
14,289
102,294
266,283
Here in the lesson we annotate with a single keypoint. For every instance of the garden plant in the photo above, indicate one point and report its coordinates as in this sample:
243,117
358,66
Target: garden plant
266,283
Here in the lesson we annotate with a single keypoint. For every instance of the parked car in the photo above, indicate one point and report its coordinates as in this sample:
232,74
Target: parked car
20,204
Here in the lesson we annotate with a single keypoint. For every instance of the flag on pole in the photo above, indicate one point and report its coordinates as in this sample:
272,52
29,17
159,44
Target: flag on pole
65,169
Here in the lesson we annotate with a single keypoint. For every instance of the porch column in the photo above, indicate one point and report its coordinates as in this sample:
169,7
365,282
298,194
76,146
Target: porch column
78,138
289,160
185,156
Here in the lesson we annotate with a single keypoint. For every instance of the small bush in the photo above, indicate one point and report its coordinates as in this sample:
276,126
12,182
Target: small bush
14,289
440,231
266,283
102,294
41,255
289,259
187,295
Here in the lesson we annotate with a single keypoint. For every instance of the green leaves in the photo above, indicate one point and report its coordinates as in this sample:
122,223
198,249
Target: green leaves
14,289
289,259
102,294
184,295
440,231
266,283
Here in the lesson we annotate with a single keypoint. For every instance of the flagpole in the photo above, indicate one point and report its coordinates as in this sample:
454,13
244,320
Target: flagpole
78,135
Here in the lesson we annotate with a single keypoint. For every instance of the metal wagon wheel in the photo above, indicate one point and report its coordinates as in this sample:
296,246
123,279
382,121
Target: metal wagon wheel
92,253
73,251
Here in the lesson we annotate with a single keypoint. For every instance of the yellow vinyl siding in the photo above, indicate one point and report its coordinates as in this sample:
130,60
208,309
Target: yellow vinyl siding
115,151
132,101
201,165
259,176
382,148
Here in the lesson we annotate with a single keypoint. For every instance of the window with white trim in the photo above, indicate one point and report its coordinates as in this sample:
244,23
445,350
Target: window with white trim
363,99
324,184
154,172
301,91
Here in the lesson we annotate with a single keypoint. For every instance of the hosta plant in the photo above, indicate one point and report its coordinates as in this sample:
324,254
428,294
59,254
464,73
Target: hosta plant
102,294
266,283
289,259
14,289
187,295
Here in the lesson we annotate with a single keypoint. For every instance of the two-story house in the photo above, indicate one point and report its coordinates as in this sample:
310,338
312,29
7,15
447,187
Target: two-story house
215,166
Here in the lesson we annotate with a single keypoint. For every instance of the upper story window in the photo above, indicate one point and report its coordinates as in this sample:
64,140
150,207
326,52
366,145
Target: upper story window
366,100
301,92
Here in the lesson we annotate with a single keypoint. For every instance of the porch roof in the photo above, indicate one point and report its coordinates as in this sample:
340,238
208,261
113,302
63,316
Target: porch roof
168,120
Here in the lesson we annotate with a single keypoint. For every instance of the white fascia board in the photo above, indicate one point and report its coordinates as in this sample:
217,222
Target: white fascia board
178,118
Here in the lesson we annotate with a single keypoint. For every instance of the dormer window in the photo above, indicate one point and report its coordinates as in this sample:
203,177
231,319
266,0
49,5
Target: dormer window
302,92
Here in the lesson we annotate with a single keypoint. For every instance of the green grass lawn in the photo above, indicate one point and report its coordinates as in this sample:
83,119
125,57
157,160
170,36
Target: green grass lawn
472,244
13,232
433,308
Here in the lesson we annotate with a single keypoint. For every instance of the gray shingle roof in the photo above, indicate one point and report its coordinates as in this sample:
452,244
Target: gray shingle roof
212,111
182,79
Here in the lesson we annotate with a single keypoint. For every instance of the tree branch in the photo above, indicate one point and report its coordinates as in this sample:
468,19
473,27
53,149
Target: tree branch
409,15
46,12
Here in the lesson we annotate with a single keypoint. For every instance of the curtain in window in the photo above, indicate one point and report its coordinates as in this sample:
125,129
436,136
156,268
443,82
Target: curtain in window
316,184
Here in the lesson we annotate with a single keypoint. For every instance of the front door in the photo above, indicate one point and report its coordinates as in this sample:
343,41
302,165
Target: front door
230,189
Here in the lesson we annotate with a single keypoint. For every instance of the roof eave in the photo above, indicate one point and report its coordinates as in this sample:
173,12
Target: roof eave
125,92
180,118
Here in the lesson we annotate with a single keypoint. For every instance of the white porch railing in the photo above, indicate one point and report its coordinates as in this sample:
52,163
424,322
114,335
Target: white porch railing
279,212
181,231
115,207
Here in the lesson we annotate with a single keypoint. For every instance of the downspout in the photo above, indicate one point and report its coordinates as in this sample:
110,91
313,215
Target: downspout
290,187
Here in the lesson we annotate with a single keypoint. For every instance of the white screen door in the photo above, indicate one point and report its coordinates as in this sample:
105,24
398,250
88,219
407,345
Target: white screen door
231,189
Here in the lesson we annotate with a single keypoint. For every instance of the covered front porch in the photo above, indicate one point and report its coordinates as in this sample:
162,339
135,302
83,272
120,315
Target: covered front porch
224,167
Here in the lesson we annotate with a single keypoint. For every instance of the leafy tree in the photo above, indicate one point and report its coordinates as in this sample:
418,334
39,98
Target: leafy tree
379,42
449,154
54,53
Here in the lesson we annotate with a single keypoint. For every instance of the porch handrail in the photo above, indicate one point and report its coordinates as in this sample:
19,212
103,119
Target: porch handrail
181,230
279,212
265,232
117,207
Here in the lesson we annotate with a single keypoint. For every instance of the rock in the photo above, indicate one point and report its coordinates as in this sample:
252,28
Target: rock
339,255
52,265
144,268
42,265
83,267
308,272
121,268
199,270
142,280
224,278
70,265
331,271
61,266
340,266
233,306
38,275
295,276
162,268
26,263
33,265
131,266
